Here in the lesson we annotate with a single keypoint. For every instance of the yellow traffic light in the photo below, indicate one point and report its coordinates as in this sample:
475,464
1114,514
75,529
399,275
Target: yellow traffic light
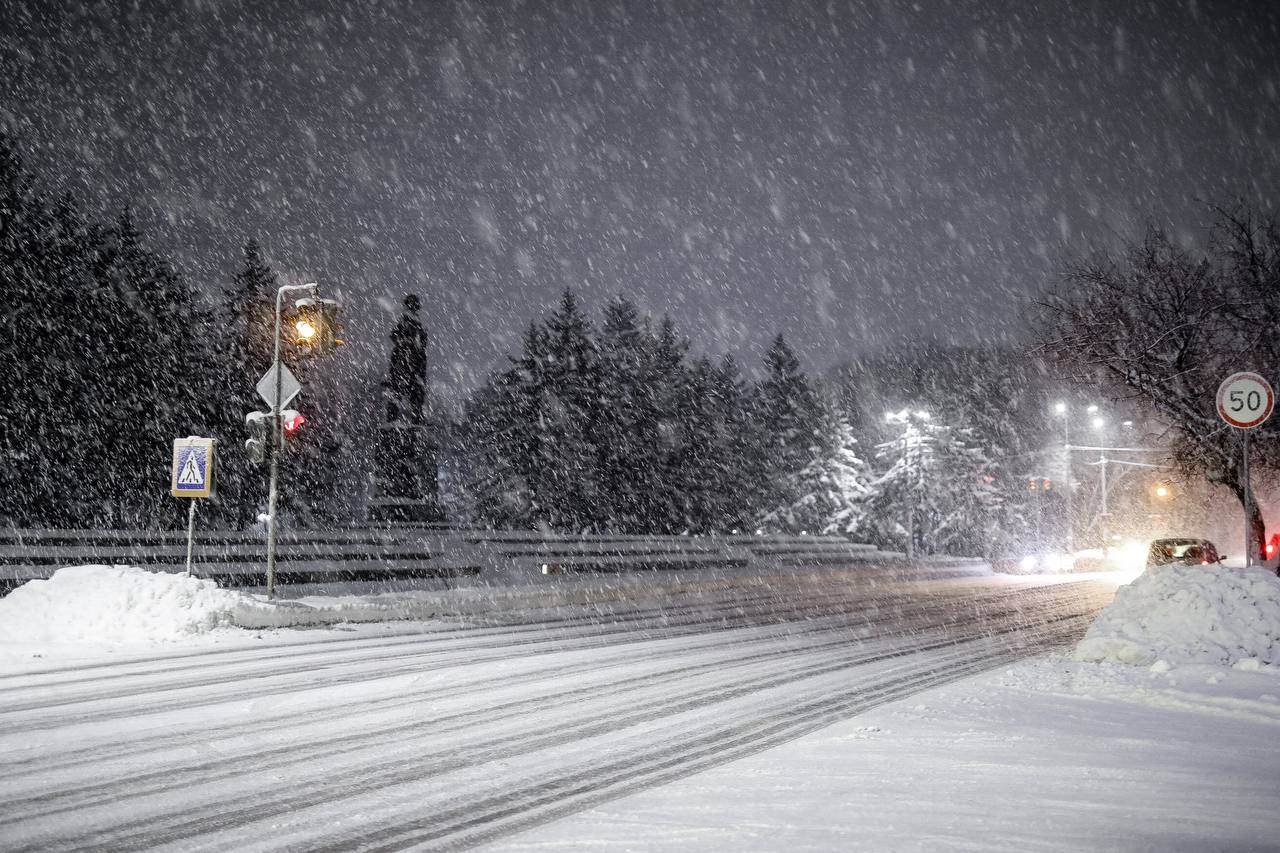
316,326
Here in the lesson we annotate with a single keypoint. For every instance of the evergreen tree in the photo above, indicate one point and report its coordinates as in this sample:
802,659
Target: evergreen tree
833,490
700,455
935,495
664,509
248,310
623,436
787,412
29,345
738,492
566,485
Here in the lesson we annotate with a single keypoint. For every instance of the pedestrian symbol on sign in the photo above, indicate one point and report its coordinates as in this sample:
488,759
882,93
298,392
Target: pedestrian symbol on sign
192,475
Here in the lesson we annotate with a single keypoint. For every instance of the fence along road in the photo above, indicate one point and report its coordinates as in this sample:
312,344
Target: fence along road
449,733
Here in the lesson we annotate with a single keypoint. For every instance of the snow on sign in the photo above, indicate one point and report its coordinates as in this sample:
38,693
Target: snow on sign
1245,400
193,468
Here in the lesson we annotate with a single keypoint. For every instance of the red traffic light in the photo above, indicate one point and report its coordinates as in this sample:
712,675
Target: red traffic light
293,421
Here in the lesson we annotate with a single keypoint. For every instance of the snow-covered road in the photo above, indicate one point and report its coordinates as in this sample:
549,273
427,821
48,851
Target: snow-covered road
452,732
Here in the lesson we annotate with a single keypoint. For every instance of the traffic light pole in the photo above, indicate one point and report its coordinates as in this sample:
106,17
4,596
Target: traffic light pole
277,440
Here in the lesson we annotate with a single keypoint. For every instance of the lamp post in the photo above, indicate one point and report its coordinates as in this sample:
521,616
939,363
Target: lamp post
1061,408
1104,517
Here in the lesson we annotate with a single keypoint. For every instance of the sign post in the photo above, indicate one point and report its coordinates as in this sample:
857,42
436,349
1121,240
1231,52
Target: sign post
1245,401
194,475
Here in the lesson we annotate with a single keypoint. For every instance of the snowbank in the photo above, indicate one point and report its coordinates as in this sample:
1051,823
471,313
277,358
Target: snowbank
118,605
125,606
1190,615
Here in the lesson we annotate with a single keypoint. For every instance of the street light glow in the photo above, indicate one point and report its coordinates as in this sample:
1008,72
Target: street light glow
1060,407
1099,423
1093,410
1162,491
305,330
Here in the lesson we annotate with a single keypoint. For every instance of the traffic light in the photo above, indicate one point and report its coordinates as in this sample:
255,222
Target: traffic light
259,436
292,422
316,327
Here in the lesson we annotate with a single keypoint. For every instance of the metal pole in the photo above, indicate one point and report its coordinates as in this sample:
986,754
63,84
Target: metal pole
1106,525
275,459
277,441
911,504
191,532
1066,484
1248,514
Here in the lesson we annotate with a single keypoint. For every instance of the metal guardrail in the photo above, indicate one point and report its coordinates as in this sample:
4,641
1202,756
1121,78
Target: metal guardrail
237,558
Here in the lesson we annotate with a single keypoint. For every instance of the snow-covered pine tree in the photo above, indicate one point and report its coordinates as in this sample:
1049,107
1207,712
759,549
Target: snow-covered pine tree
567,486
934,495
699,457
503,440
787,413
624,436
661,416
739,435
833,490
161,375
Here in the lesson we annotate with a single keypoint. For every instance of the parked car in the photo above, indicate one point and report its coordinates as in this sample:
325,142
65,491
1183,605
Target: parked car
1184,551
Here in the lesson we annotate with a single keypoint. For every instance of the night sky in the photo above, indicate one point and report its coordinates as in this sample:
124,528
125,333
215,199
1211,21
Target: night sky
854,174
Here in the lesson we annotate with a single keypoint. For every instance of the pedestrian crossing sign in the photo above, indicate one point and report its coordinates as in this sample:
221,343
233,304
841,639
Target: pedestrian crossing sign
193,468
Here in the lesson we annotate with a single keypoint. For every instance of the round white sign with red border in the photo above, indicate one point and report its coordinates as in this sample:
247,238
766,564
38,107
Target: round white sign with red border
1245,400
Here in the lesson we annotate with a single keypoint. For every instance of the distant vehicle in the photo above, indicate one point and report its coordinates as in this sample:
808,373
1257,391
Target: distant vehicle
1186,552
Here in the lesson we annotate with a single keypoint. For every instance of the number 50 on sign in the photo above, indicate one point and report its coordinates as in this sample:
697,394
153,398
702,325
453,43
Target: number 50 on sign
1245,400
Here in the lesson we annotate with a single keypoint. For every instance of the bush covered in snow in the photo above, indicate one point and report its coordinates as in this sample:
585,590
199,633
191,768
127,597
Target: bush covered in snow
1190,614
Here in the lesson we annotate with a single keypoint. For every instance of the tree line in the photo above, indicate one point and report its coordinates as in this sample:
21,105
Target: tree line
109,353
618,429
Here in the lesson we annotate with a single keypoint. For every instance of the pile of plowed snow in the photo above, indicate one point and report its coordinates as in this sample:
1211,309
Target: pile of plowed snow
117,605
1190,615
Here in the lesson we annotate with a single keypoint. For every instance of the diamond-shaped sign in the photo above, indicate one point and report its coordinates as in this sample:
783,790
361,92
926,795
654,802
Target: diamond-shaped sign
289,386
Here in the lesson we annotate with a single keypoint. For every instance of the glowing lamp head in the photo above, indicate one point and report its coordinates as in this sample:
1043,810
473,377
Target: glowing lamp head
305,329
1162,491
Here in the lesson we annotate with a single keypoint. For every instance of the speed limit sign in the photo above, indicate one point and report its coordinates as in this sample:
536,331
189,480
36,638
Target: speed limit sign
1245,400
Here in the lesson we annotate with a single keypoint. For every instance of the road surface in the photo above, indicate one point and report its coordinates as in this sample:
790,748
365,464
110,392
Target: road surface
446,734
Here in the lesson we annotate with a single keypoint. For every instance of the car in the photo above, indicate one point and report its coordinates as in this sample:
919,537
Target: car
1185,551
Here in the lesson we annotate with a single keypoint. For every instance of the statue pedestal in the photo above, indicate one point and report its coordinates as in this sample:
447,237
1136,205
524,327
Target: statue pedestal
406,489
